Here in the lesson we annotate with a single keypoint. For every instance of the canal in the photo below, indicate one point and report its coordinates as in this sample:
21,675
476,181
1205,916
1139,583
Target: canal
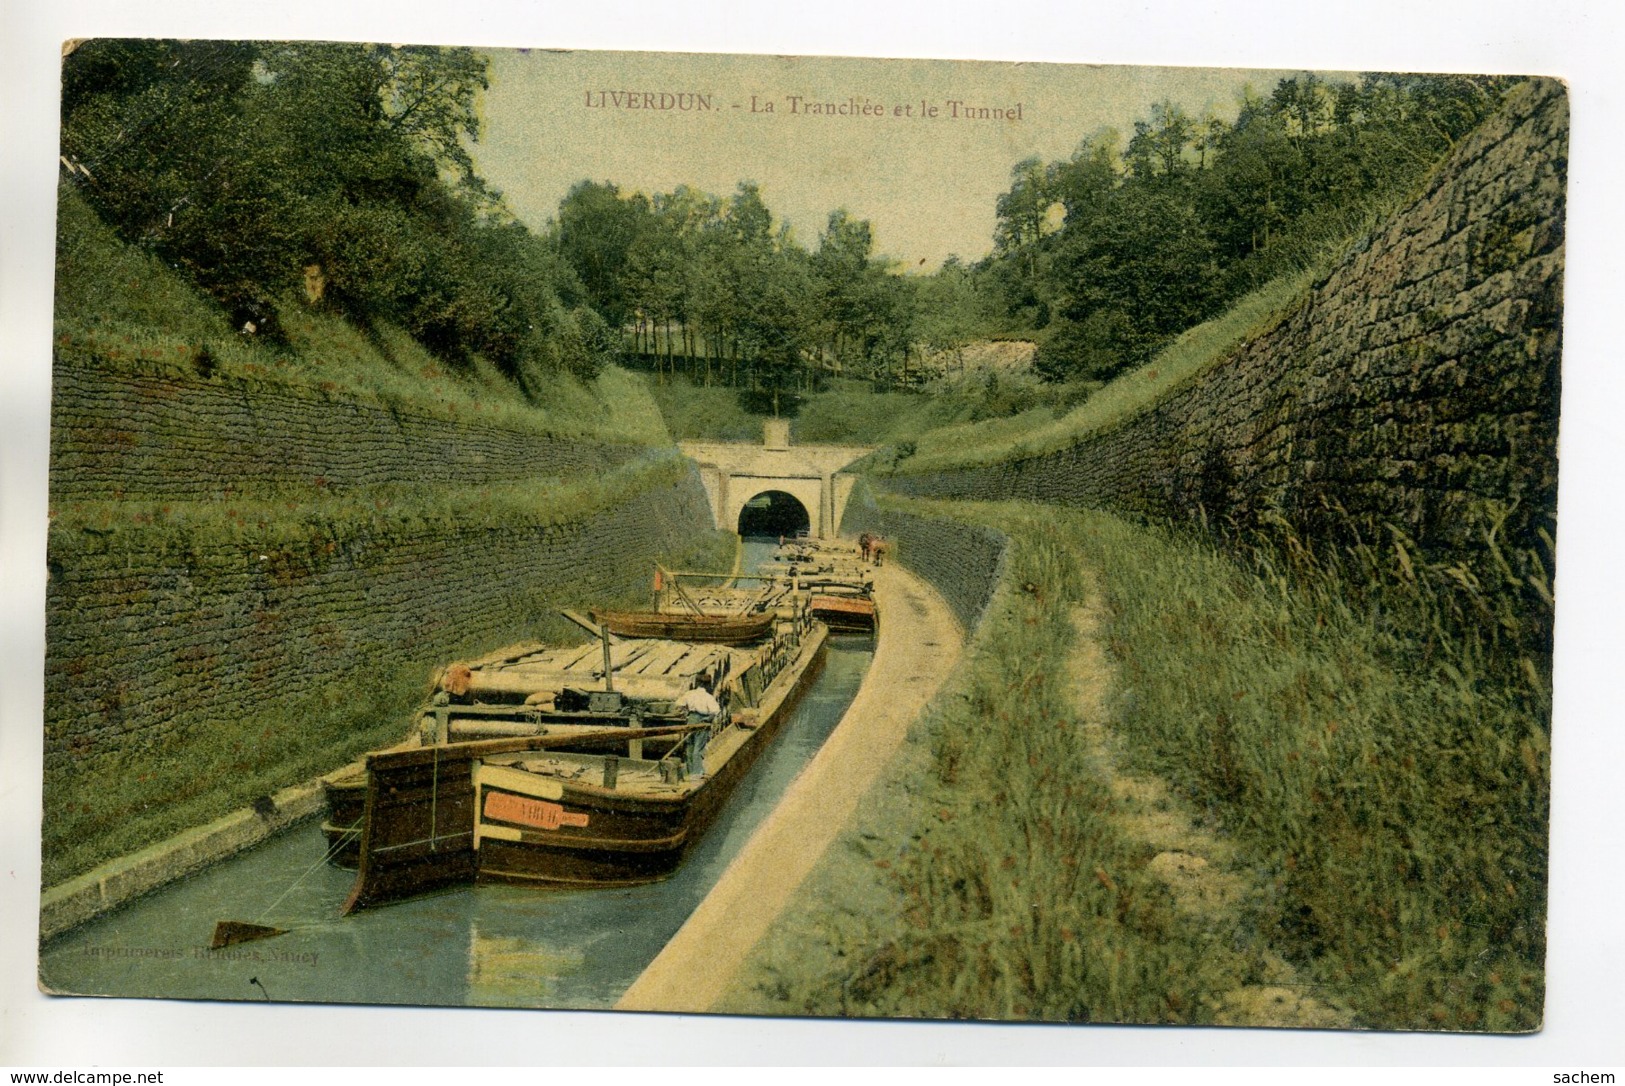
489,945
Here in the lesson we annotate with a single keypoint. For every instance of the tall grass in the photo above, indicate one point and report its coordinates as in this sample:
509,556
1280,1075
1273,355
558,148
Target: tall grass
1012,895
1379,758
1386,763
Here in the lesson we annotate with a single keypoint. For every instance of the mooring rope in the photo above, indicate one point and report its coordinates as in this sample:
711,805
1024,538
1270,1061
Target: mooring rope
343,839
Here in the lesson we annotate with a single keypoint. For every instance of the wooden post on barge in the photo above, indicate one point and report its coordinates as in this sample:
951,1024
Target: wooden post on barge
609,670
442,718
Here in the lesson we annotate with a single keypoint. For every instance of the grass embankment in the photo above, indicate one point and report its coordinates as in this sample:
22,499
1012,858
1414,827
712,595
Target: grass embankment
121,308
1040,429
695,412
1385,782
121,798
396,511
849,412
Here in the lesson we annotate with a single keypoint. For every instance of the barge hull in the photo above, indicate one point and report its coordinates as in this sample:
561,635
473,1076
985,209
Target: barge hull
439,815
630,840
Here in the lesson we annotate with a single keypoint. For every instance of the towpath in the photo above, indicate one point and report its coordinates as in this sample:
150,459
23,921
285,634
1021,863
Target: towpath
1209,882
920,642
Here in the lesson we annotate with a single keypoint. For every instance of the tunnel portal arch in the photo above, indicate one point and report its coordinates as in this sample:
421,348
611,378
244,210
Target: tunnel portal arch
773,512
742,490
734,473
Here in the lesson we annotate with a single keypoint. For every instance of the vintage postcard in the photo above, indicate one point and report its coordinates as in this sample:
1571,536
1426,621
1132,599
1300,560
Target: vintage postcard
802,536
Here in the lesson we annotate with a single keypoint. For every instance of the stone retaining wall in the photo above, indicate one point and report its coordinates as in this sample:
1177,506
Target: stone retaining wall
963,562
122,436
144,646
1416,386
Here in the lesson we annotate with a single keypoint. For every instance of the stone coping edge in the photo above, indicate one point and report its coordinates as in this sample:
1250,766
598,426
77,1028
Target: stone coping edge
105,888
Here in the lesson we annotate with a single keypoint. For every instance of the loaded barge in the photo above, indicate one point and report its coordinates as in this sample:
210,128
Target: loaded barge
838,578
592,765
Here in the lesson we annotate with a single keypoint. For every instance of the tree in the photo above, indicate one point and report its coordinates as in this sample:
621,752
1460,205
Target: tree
431,98
595,231
1085,182
1024,210
259,168
1251,190
774,325
954,306
1141,274
843,274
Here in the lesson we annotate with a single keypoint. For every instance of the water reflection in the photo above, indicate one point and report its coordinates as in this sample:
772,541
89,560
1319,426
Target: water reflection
489,945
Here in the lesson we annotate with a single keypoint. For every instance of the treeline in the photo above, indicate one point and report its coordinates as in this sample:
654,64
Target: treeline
338,175
1103,258
335,174
712,286
1109,254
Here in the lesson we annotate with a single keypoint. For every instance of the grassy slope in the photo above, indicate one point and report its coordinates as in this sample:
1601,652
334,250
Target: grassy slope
849,413
119,308
1040,430
1393,802
702,412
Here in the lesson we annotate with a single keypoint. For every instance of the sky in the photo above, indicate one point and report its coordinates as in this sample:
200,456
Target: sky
1574,39
926,183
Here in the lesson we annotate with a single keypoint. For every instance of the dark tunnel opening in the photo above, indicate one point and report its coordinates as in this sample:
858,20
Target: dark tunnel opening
774,513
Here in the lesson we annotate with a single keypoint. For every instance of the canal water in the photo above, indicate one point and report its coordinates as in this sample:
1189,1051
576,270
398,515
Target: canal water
487,945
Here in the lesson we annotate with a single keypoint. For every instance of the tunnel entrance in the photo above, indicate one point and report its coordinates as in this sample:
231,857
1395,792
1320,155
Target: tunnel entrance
774,513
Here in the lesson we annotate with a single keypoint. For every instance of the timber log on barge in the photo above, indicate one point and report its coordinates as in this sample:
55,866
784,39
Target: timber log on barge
593,765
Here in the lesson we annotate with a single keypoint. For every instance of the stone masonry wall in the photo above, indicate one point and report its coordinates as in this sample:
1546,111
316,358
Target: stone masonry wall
118,435
1416,386
962,561
145,648
194,665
